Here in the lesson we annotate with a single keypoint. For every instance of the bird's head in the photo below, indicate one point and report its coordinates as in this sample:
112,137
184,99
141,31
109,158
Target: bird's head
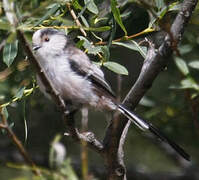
49,42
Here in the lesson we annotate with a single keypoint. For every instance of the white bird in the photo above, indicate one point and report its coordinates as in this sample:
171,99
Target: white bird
80,82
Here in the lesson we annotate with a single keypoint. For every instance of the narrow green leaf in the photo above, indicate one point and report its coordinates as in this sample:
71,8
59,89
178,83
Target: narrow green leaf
68,170
79,44
115,67
91,6
82,11
141,50
10,52
25,122
20,93
165,9
194,64
90,47
106,52
76,5
5,112
147,102
182,66
159,4
49,13
11,125
99,29
113,31
84,21
97,37
4,25
11,38
117,16
189,83
133,46
185,49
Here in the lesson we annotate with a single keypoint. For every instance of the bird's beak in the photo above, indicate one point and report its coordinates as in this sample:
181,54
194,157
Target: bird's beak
36,47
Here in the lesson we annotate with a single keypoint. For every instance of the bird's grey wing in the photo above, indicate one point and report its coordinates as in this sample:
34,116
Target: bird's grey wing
100,82
97,80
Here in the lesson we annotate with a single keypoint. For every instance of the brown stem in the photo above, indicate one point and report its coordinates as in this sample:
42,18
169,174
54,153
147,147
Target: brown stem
76,19
18,144
126,38
84,150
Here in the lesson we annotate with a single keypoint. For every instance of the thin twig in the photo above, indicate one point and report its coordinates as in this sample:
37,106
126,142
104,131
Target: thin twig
76,19
126,38
4,125
84,149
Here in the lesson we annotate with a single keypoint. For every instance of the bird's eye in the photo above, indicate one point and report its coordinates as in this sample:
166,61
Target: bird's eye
46,39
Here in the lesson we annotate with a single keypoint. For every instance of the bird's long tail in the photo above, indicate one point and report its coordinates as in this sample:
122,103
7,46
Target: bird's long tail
142,124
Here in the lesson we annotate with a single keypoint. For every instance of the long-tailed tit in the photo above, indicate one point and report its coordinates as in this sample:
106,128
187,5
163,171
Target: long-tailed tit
80,82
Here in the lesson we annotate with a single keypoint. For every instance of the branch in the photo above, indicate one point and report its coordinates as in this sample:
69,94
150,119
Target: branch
76,19
154,63
4,125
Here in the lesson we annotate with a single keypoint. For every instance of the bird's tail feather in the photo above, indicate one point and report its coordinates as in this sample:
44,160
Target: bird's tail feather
142,124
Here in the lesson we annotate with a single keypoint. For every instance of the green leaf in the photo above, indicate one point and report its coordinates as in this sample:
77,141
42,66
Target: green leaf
141,50
90,47
20,93
10,52
91,6
68,170
25,121
79,44
11,125
84,21
82,10
112,32
194,64
117,16
5,112
98,29
145,101
106,52
182,66
52,152
115,67
76,5
11,38
49,13
4,25
133,46
189,83
165,9
160,4
185,49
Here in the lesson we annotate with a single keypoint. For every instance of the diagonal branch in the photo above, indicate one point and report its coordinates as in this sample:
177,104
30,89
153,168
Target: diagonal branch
4,125
154,63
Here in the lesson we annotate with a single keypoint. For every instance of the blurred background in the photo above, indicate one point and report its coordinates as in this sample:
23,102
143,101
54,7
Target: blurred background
172,103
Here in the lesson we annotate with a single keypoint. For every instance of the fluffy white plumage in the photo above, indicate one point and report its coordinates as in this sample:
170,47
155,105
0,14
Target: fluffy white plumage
56,57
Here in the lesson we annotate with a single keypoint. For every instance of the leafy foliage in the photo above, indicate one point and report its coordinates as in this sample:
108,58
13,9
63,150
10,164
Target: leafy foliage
10,52
102,23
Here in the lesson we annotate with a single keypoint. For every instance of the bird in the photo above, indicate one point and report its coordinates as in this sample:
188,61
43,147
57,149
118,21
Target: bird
80,82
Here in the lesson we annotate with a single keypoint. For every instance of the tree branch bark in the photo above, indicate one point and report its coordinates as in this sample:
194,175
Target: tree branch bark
155,62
